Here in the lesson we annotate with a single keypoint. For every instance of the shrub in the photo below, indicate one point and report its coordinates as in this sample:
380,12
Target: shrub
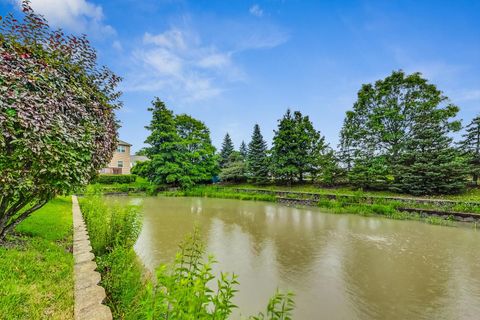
115,178
57,120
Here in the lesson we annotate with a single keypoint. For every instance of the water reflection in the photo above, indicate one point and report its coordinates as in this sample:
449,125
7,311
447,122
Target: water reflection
339,266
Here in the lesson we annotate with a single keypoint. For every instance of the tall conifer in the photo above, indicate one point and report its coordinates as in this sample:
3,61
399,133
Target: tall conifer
257,161
226,151
243,150
429,163
470,147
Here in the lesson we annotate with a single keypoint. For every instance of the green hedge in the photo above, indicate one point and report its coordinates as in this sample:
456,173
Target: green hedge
115,178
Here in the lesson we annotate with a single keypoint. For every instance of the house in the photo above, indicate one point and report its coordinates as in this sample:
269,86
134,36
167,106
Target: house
120,163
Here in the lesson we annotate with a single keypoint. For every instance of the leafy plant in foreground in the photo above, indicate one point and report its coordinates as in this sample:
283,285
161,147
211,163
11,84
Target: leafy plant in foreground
183,291
279,307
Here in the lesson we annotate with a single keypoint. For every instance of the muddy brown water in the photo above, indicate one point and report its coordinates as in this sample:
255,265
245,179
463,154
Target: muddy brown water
339,266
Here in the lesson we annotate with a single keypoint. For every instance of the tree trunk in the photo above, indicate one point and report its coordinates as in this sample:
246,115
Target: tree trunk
7,227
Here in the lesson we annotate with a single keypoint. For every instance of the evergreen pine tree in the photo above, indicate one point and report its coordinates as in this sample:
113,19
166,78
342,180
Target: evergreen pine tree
285,146
298,149
180,151
163,151
429,164
226,151
470,147
243,150
386,122
257,161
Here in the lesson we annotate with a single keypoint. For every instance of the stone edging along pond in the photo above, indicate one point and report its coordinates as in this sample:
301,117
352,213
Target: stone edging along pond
89,296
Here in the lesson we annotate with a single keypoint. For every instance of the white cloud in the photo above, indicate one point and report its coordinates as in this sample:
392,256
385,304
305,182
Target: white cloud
79,16
256,11
176,62
178,65
163,61
215,60
172,39
117,45
262,40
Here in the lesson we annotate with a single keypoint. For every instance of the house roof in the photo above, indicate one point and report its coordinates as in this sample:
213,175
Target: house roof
123,143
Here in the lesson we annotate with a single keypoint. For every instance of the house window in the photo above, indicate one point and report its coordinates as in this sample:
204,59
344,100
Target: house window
121,149
120,164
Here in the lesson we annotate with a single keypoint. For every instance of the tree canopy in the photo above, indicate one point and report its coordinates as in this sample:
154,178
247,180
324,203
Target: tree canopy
243,150
57,119
470,147
257,160
235,170
298,149
226,151
180,149
378,134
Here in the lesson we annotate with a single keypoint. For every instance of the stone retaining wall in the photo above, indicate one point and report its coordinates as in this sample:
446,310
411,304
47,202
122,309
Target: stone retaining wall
89,295
458,216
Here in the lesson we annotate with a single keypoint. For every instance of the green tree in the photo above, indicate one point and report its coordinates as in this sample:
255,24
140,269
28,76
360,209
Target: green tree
298,149
164,166
199,159
236,169
285,145
226,151
429,163
180,151
330,172
380,128
243,150
470,147
257,161
370,172
57,120
349,140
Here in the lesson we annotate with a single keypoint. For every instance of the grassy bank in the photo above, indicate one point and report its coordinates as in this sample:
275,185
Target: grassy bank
467,202
472,194
139,185
218,192
36,269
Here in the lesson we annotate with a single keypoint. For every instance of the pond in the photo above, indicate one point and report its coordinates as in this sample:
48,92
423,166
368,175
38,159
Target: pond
339,266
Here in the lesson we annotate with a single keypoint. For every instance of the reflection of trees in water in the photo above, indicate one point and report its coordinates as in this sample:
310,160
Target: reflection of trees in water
292,233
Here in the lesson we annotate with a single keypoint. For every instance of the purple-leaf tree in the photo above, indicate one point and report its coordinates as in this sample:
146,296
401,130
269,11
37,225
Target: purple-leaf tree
57,121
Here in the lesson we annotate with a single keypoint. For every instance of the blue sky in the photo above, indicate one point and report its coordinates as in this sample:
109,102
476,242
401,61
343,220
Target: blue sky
233,63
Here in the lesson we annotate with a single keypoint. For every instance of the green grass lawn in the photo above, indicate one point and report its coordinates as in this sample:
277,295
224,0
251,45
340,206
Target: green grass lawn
36,266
